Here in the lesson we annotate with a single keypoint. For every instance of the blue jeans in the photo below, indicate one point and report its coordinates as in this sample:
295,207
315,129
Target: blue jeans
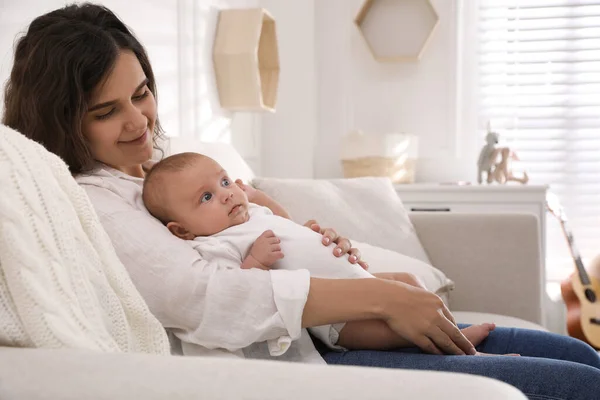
551,366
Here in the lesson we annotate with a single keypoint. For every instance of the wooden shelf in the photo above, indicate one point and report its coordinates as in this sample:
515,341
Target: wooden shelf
397,30
246,60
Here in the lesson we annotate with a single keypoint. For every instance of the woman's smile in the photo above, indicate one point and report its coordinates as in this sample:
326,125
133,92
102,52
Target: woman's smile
139,140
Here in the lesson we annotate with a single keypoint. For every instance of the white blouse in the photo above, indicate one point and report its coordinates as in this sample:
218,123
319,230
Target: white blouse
207,311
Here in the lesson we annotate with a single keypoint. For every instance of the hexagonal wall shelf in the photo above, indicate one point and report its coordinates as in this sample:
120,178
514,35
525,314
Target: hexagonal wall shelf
246,60
397,30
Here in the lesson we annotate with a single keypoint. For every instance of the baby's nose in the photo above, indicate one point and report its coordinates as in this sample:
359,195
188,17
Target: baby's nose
228,196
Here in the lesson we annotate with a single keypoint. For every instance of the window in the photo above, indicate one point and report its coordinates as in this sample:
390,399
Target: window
539,85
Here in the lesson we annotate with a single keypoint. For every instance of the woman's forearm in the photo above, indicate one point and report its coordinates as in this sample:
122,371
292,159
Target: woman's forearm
332,301
413,313
375,334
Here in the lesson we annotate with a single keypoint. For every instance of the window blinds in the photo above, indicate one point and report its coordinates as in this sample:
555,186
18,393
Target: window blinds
539,85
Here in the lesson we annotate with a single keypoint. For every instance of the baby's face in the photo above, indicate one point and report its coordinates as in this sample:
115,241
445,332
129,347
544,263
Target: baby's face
204,200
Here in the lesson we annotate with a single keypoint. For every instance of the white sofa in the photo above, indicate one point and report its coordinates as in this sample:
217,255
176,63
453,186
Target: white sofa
477,251
494,261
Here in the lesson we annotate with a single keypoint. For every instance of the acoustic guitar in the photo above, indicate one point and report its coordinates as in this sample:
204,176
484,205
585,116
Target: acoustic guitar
580,292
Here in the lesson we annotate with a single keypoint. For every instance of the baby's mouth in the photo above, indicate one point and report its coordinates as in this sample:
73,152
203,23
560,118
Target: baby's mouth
235,209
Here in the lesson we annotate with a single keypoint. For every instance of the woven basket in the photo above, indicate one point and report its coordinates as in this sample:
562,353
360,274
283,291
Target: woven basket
398,172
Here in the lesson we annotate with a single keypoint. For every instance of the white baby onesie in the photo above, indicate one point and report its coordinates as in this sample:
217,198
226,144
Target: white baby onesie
301,247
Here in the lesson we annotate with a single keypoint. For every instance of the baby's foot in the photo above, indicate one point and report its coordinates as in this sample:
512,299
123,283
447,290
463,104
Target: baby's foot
477,333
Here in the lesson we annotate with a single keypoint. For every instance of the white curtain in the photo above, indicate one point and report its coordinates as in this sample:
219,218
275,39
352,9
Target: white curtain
539,85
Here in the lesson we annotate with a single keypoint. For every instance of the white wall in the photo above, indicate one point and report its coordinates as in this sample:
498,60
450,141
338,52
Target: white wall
178,35
198,109
329,83
357,92
288,135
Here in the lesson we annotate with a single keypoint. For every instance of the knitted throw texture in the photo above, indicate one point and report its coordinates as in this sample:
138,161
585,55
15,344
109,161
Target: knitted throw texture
61,283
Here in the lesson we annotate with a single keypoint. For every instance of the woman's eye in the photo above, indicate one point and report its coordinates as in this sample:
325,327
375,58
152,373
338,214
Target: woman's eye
108,114
226,182
206,197
143,95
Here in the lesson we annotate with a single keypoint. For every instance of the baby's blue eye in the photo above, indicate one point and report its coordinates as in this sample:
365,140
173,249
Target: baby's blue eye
206,197
225,182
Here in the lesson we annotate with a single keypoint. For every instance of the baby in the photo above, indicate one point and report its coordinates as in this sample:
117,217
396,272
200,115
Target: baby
193,196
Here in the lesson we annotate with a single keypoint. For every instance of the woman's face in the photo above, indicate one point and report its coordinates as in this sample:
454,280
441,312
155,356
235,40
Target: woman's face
119,123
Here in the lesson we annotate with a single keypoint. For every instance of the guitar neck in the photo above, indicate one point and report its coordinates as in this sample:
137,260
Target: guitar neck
583,276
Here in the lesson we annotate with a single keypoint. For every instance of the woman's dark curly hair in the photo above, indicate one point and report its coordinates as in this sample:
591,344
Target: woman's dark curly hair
63,56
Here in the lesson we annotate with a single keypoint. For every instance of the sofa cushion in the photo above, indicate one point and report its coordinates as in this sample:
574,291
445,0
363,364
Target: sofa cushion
467,317
363,209
223,153
383,260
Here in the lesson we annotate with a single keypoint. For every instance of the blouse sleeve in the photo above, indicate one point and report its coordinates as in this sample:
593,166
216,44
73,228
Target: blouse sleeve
198,302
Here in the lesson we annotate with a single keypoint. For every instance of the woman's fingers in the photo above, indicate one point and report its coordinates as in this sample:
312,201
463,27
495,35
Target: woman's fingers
364,265
445,343
416,313
446,339
354,256
312,224
425,344
330,236
457,337
448,315
343,247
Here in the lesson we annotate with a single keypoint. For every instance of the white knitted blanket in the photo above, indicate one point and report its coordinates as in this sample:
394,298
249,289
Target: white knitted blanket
61,283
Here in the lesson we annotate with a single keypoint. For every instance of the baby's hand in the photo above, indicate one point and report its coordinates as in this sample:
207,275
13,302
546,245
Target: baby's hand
264,252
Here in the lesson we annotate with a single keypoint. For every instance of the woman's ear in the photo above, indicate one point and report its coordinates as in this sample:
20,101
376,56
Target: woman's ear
179,231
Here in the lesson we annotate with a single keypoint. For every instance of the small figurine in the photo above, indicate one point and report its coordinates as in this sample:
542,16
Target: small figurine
502,171
487,157
498,171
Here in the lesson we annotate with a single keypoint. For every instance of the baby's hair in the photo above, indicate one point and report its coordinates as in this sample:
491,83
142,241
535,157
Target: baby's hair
153,192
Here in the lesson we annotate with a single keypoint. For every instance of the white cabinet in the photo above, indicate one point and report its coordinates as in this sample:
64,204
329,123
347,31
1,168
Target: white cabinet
530,199
485,199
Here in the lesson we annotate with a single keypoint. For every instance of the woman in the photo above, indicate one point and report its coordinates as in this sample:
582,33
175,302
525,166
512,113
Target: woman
82,86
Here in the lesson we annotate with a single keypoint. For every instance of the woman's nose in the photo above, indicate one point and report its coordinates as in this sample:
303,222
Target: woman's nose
136,120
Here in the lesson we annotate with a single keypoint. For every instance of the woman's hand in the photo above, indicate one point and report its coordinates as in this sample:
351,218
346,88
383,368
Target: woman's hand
422,318
418,316
343,245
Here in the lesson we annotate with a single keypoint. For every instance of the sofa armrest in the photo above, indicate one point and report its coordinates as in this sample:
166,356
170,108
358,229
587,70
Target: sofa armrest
494,259
37,374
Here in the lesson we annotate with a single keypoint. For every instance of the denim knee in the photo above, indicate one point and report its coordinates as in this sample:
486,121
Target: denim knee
581,352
